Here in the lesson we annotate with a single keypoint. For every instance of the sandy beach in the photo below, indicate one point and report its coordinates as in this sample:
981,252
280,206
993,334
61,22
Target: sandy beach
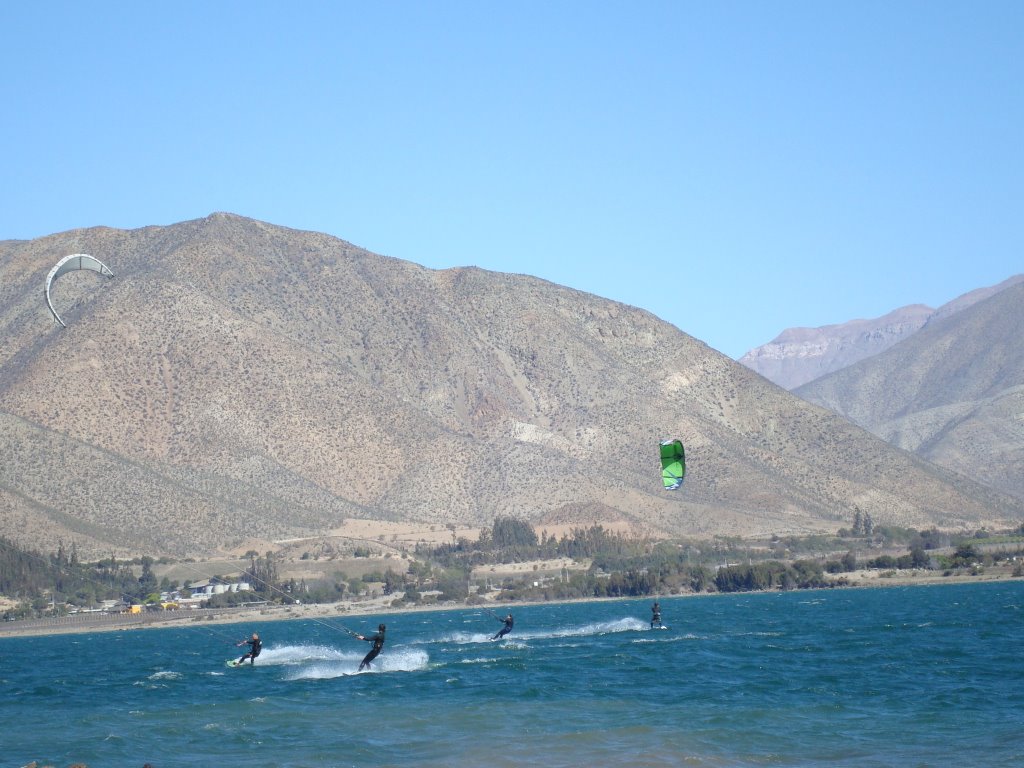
79,623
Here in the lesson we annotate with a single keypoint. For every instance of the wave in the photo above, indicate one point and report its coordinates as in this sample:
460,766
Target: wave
663,639
158,679
165,675
465,638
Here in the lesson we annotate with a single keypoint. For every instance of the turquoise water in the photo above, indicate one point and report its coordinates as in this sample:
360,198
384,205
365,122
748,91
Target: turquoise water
917,676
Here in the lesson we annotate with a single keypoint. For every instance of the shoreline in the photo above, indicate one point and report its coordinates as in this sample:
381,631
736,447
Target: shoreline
381,606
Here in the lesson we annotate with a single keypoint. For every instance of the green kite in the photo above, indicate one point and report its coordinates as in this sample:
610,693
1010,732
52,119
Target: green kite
673,464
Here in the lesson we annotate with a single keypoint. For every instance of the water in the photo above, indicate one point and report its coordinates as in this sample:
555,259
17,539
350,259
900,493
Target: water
917,676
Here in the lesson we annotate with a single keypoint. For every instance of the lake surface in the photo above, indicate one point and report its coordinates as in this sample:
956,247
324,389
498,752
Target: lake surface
904,676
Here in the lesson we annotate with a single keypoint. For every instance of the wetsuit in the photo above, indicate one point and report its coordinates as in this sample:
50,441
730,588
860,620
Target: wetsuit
255,646
655,616
507,621
378,643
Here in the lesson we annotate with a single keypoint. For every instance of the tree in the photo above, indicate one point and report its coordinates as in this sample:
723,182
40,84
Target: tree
934,539
147,581
918,558
512,532
262,572
965,554
412,595
700,578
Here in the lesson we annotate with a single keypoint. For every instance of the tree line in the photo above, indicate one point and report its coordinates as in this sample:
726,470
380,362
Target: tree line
37,580
620,566
623,566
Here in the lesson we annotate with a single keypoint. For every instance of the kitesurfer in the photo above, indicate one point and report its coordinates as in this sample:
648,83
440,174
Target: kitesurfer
507,621
655,615
255,646
378,643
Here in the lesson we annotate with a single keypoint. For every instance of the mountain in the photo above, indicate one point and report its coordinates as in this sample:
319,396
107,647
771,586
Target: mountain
237,380
953,393
800,355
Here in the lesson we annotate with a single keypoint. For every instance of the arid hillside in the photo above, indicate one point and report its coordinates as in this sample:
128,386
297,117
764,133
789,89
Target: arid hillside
239,380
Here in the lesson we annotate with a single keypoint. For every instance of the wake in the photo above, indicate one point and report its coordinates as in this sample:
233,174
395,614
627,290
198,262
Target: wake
628,624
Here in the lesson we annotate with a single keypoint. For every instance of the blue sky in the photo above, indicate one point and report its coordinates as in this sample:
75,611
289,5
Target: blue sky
736,168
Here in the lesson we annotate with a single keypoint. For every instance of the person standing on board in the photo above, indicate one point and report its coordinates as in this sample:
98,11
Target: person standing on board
655,615
255,646
507,621
378,643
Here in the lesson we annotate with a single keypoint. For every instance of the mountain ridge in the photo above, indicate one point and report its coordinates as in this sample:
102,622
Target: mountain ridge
238,379
798,356
953,393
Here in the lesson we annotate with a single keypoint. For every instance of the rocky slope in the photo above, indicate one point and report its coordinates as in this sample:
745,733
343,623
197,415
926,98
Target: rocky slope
241,379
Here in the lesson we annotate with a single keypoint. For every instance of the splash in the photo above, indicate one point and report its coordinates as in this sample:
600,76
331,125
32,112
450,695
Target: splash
512,645
301,654
397,660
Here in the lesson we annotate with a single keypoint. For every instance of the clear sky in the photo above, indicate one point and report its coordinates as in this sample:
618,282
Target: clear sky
736,168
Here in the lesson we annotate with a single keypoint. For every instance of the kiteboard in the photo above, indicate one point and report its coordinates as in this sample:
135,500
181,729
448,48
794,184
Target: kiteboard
660,626
232,663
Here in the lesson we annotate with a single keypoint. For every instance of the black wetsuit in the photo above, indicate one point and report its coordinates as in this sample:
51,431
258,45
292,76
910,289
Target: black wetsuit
655,616
507,621
378,643
255,646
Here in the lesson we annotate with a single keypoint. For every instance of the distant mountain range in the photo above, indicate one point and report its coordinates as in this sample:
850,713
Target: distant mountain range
237,380
952,393
800,355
